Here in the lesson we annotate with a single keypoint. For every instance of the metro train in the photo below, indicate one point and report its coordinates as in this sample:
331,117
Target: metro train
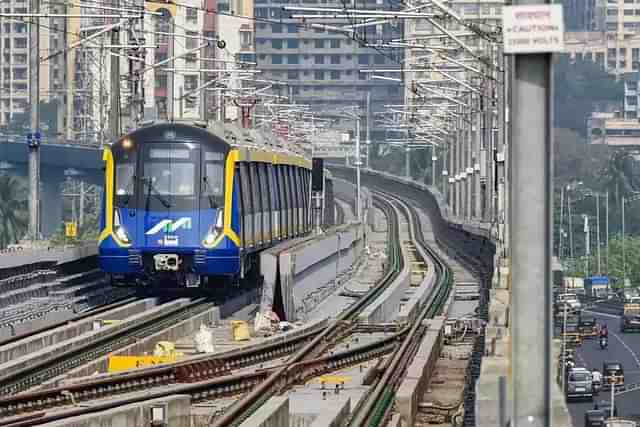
183,205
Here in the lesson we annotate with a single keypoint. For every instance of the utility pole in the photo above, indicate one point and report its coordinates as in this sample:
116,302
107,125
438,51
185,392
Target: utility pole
368,141
434,159
114,76
358,162
560,237
34,144
624,251
606,225
598,232
531,237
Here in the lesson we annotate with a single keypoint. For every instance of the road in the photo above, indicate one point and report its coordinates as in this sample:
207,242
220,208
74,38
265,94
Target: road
625,348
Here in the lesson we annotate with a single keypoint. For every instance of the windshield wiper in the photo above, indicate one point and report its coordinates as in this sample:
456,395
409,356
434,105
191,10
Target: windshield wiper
151,189
212,200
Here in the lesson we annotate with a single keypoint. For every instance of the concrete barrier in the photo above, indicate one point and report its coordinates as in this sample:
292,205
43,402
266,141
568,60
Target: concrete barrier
174,411
419,372
274,413
297,270
57,350
185,328
48,339
17,257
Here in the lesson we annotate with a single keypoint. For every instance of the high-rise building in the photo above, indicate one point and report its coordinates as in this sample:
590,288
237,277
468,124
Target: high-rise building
321,68
614,41
14,62
585,15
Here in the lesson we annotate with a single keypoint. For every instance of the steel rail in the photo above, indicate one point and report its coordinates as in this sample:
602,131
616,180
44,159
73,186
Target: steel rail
377,403
48,368
251,402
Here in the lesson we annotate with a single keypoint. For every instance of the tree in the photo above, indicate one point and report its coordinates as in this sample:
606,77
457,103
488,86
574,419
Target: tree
13,210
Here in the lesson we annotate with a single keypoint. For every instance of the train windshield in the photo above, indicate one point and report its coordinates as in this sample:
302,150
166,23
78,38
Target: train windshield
125,170
212,179
169,176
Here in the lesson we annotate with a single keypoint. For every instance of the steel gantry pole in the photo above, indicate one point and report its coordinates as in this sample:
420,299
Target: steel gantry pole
531,198
34,143
598,233
358,158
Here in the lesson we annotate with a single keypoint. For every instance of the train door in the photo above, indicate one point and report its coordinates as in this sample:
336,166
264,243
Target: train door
247,207
275,205
257,204
292,201
266,202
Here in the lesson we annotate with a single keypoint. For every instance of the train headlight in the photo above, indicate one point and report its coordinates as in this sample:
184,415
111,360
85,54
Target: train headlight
214,231
119,230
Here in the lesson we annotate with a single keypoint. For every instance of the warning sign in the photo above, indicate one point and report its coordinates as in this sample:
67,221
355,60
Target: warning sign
71,229
533,29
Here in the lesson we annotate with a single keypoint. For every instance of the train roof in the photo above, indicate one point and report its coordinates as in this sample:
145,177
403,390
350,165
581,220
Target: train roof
252,144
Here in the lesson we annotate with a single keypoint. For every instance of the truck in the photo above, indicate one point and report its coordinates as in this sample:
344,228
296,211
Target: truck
630,319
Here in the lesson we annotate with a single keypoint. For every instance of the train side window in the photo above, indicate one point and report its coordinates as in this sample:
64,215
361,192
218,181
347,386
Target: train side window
287,192
299,195
292,198
247,208
273,200
237,183
283,200
305,198
264,187
266,202
257,203
255,188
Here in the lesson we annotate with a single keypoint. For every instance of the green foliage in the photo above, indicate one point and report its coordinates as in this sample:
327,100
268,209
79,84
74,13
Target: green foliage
13,210
87,232
578,88
615,262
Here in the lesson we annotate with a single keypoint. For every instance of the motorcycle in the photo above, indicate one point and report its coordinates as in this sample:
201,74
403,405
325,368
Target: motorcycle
604,342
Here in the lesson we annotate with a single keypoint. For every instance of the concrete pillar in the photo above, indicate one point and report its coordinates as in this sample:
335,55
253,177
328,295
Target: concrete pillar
480,134
51,200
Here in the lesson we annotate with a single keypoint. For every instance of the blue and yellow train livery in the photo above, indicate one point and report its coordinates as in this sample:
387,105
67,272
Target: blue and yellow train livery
183,205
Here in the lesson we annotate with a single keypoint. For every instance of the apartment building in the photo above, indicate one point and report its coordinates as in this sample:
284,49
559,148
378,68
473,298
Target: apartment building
485,15
14,62
321,68
614,38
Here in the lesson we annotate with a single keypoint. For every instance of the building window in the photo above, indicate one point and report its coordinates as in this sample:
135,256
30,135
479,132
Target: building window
363,59
293,59
276,28
192,15
161,81
319,44
20,43
628,12
276,43
318,59
262,26
261,12
190,83
293,75
379,59
245,39
293,43
276,59
335,75
191,41
335,59
632,100
335,44
318,30
292,28
319,75
362,76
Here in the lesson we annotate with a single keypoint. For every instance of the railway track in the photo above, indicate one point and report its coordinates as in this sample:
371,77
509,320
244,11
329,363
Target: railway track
377,406
211,376
22,379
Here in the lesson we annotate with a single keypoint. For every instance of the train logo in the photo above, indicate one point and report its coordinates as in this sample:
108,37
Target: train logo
170,226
